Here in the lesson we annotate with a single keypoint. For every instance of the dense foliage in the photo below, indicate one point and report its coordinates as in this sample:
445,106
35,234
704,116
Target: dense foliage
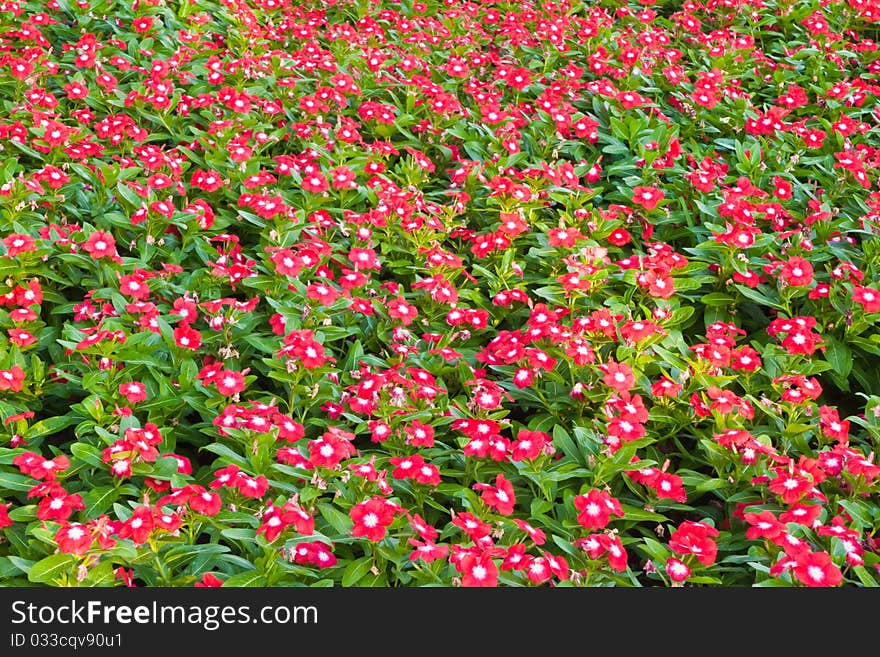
439,293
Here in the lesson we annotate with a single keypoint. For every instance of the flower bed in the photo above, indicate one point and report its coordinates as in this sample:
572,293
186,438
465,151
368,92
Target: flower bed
422,293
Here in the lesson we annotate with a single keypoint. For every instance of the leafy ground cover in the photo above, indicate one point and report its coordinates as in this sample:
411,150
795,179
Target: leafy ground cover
439,293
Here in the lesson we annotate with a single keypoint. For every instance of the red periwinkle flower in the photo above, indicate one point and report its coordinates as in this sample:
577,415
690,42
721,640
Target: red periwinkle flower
677,570
209,580
5,520
596,508
372,517
817,569
647,197
695,538
500,497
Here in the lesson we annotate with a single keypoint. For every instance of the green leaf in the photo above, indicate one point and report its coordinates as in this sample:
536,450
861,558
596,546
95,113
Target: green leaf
92,404
180,554
15,482
562,440
712,484
338,520
98,500
248,579
716,299
857,511
758,298
87,453
865,577
655,549
839,356
228,454
102,575
240,534
46,570
356,570
20,565
633,513
50,426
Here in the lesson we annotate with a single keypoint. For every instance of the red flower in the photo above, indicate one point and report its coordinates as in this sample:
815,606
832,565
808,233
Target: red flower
666,387
18,243
229,382
186,309
315,183
134,286
59,506
12,379
782,189
138,526
100,244
695,538
315,553
613,547
868,297
225,477
288,429
619,237
74,538
134,391
516,558
400,309
252,487
142,24
500,496
789,486
426,531
647,197
596,508
529,445
618,376
667,485
419,434
372,517
797,272
273,523
323,293
205,502
301,344
677,569
363,258
406,466
330,449
817,569
537,536
5,520
209,580
565,237
301,520
538,570
478,570
472,525
763,525
170,522
658,283
804,514
343,178
187,337
38,467
21,338
427,551
76,90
